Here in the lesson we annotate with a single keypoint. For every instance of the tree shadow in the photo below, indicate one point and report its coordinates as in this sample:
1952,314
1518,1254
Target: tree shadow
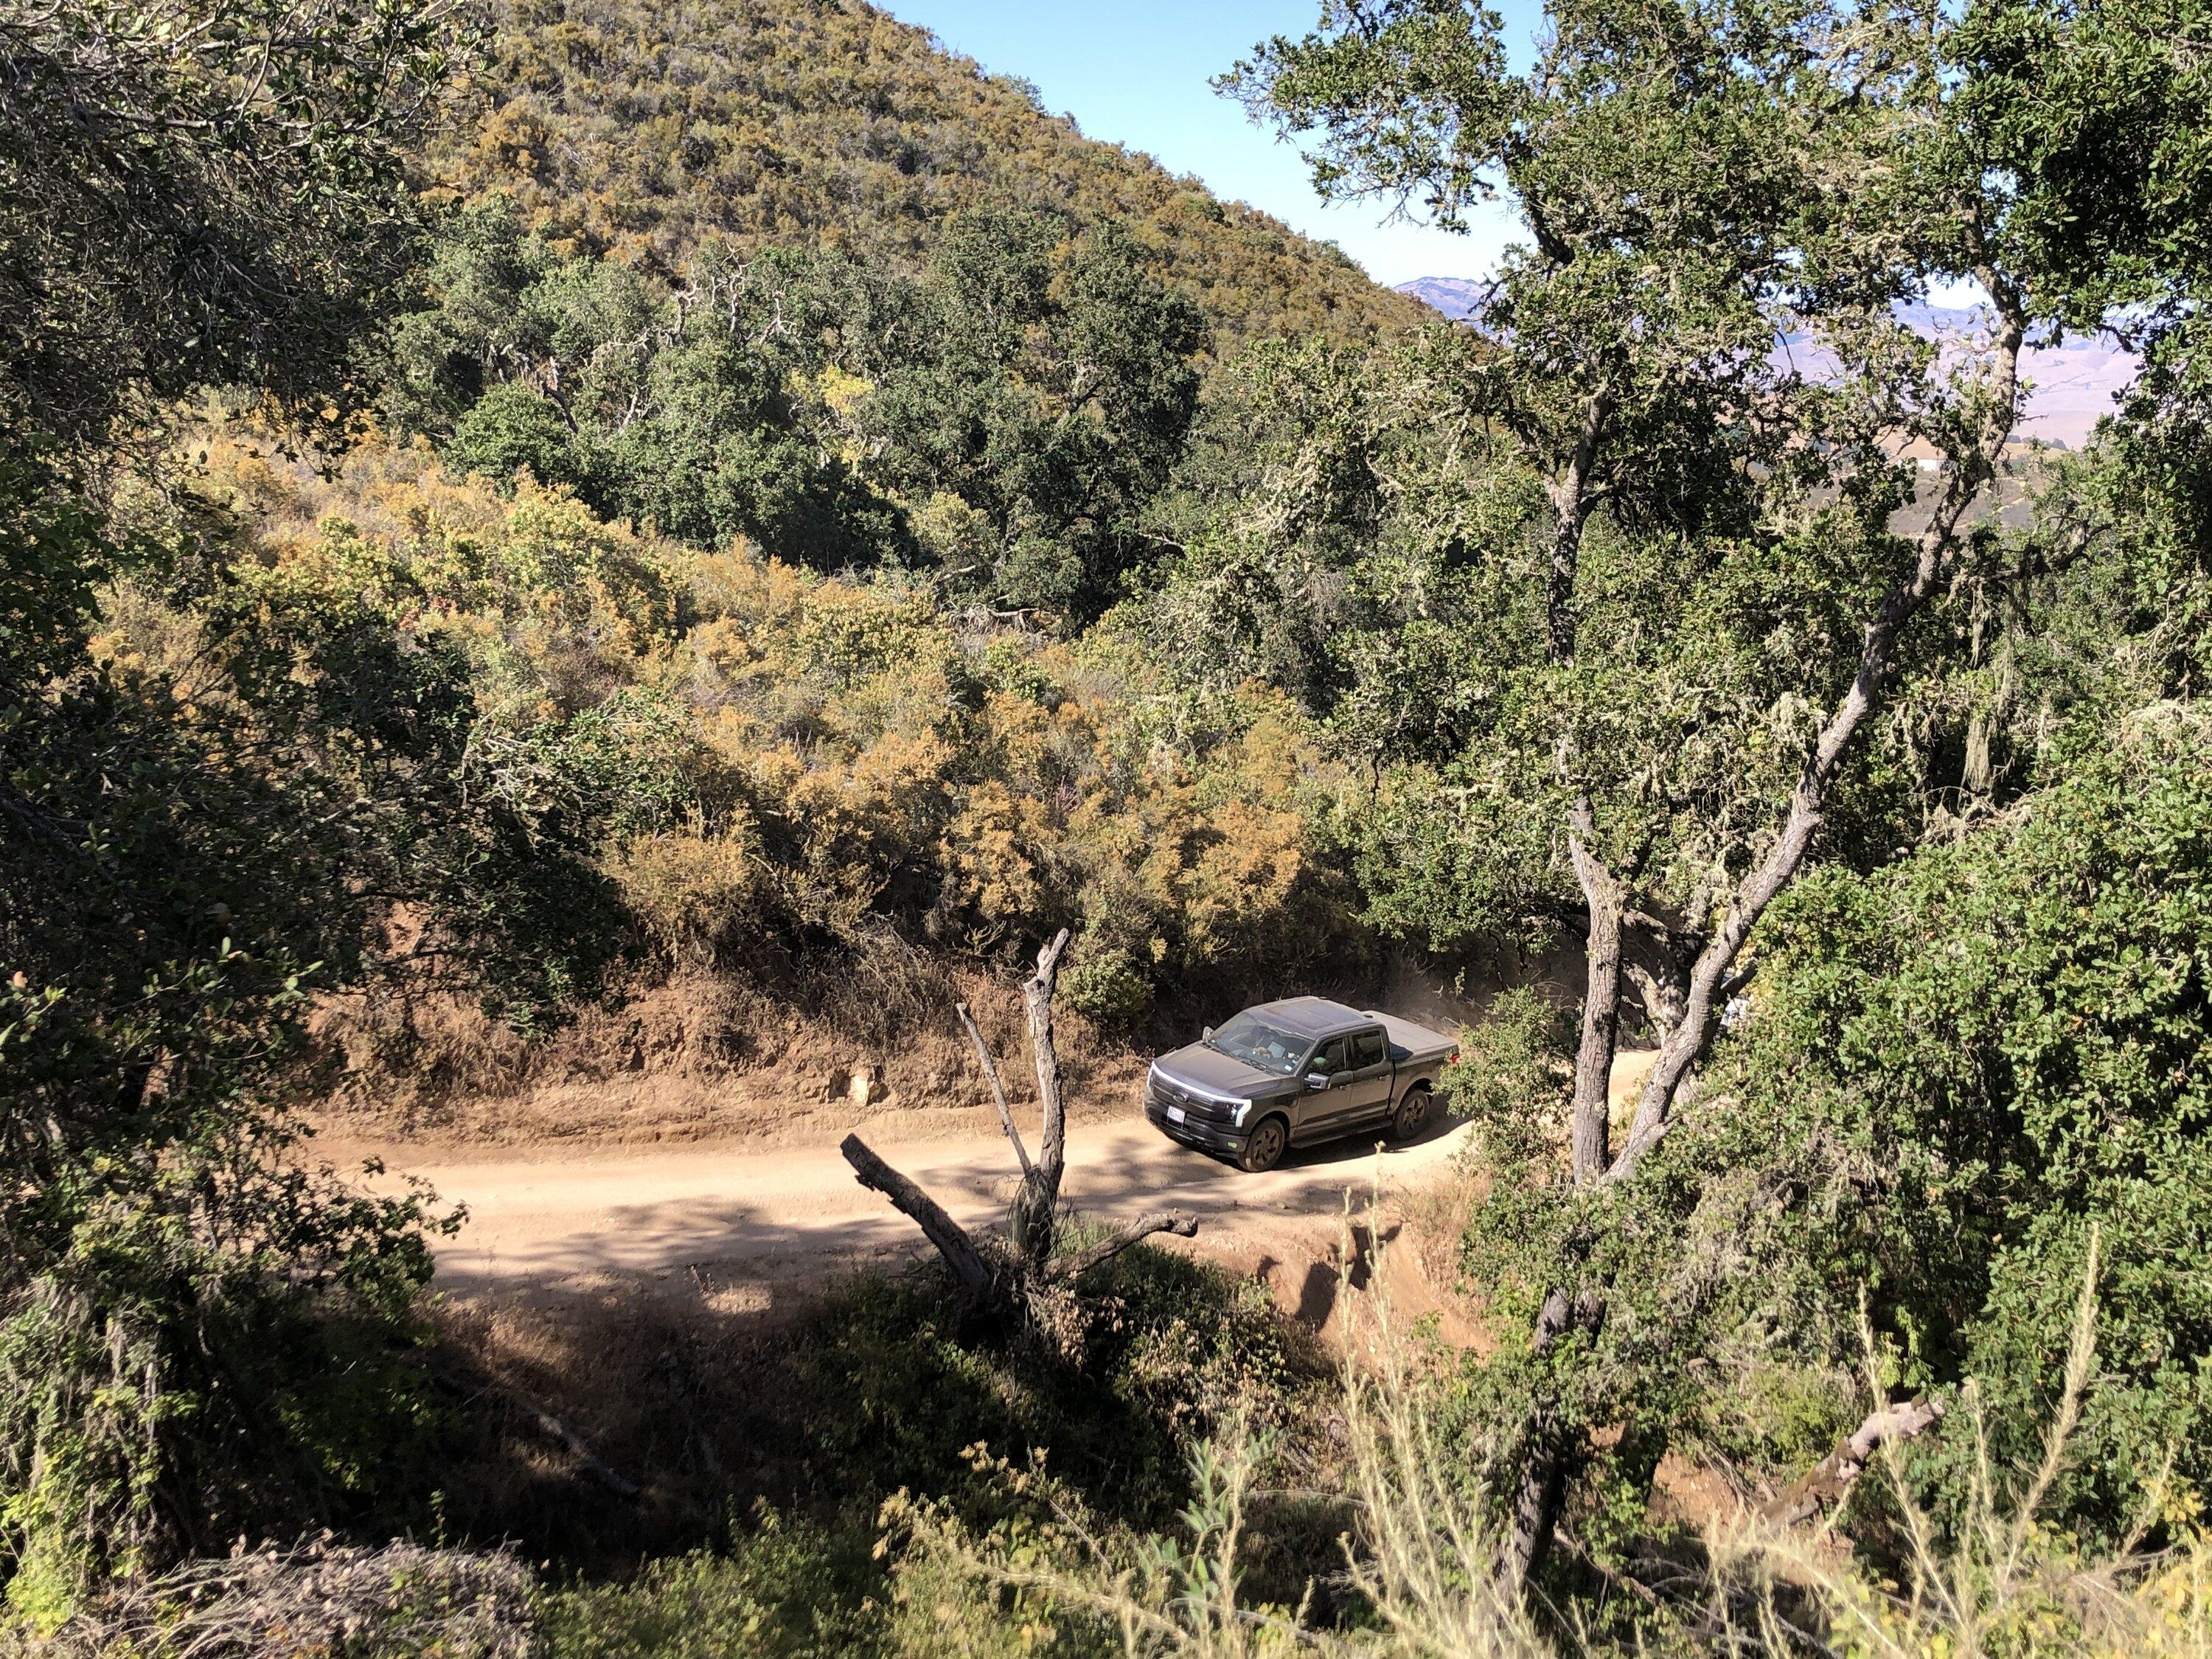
712,1391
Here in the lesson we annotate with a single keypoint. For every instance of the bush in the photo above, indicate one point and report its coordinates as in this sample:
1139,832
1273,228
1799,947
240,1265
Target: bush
745,747
1108,988
784,1590
1961,1069
1167,1349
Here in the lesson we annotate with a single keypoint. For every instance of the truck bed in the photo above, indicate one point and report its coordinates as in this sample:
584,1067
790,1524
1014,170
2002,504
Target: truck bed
1412,1044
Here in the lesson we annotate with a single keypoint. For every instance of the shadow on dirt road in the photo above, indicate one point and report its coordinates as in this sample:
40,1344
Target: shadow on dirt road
538,1223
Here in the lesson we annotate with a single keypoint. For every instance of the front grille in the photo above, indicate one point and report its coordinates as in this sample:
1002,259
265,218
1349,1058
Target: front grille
1196,1105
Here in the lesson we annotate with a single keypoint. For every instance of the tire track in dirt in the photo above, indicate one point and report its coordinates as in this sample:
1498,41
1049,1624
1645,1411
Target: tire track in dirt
540,1223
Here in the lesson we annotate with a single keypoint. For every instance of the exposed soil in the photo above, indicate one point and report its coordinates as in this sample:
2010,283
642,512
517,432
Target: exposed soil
631,1290
763,1222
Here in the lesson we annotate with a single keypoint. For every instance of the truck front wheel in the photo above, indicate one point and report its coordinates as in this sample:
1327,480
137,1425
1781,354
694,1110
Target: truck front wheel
1264,1146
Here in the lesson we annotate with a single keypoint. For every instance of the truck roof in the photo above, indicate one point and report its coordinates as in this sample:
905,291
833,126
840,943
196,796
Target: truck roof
1314,1017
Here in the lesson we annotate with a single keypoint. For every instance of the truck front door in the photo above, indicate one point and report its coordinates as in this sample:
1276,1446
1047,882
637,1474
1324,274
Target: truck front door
1366,1083
1325,1093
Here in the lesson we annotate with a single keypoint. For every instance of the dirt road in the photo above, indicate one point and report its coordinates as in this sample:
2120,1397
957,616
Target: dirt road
767,1215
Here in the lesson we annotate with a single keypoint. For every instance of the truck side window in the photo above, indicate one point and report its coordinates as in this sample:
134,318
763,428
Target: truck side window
1366,1050
1328,1058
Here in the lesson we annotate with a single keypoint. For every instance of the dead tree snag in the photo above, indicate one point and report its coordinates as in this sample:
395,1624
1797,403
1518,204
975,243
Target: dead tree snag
1033,1217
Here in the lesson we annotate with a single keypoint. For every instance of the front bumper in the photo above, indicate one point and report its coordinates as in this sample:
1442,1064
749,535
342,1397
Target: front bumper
1205,1134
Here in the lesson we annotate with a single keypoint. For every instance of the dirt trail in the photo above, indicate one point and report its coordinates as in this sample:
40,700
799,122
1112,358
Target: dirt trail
740,1213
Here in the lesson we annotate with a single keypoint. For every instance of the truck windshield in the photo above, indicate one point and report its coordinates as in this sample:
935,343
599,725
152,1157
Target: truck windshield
1258,1044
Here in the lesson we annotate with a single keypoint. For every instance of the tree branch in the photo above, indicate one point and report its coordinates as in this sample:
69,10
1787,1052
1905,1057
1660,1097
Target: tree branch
1964,472
998,1088
1592,1121
1828,1482
951,1239
1158,1221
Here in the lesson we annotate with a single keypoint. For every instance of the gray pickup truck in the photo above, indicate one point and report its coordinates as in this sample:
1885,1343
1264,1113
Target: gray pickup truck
1290,1073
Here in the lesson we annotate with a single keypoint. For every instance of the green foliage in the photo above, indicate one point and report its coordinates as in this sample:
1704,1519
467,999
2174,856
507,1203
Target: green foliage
1963,1068
1033,384
1108,988
784,1590
1512,1079
197,1326
911,1439
1391,563
199,192
1166,1350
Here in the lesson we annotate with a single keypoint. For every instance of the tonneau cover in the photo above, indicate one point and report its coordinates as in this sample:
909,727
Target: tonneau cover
1409,1042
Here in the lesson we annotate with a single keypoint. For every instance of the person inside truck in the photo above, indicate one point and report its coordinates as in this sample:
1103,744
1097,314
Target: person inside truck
1258,1044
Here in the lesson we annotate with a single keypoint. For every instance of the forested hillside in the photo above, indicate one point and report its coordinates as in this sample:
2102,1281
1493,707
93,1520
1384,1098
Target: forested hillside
646,127
720,504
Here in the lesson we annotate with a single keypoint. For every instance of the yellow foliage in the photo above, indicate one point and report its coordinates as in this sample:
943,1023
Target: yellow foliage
647,128
851,753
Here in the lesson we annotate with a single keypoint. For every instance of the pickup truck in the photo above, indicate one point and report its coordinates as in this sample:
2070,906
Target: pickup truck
1290,1073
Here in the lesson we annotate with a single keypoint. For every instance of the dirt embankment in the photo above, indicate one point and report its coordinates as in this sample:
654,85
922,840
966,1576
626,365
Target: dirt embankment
699,1058
703,1056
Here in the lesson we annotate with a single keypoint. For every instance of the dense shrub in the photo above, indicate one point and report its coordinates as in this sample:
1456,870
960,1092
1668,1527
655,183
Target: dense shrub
998,420
1963,1069
783,1589
1163,1351
752,751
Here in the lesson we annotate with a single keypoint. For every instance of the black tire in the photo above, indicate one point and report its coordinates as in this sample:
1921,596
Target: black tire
1264,1146
1412,1113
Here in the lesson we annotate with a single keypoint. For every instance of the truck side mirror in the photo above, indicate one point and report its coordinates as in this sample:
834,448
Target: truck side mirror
1207,1033
1316,1081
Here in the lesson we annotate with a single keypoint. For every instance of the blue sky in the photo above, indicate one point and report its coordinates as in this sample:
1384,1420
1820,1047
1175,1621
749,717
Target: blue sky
1135,72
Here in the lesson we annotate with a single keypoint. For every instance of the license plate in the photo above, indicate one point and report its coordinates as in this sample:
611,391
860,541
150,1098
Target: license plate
1175,1114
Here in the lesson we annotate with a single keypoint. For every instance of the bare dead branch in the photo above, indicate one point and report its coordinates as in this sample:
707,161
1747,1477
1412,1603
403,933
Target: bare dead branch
1158,1221
1828,1482
951,1238
998,1088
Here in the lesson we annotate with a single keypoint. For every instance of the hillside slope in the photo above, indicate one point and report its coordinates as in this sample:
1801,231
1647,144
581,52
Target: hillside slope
642,126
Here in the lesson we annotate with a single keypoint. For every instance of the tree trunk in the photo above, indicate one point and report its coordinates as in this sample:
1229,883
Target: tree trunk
1545,1467
1591,1126
1570,494
1037,1207
998,1088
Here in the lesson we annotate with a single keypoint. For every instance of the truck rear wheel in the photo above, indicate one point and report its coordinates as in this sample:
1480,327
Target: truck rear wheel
1412,1113
1264,1146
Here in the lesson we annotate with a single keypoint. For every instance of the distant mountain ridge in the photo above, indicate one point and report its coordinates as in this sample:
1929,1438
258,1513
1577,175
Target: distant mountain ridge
640,127
2071,385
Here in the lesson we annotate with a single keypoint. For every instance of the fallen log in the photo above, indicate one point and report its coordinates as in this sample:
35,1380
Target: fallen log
950,1237
1827,1483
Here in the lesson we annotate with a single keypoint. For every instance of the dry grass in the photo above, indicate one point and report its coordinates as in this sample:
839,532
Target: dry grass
1428,1562
314,1603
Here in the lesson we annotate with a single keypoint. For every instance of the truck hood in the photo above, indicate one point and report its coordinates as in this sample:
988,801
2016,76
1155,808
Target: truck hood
1214,1072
